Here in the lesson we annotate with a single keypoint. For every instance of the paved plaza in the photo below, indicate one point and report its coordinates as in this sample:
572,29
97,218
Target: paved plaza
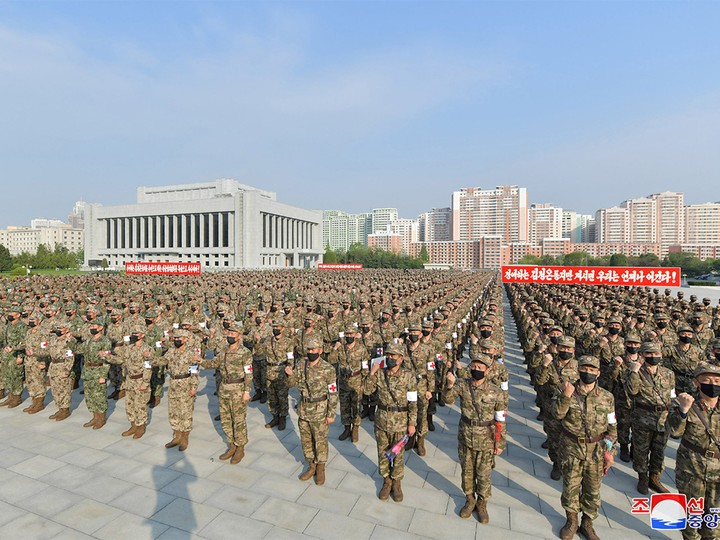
62,481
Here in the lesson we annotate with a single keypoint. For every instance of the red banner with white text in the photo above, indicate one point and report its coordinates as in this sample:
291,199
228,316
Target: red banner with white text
164,268
592,275
323,266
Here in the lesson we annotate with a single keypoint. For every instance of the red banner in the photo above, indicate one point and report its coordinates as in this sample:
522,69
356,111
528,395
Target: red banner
323,266
592,275
164,268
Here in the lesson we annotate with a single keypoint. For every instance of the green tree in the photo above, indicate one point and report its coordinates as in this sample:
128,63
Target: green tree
618,259
576,258
529,259
424,256
330,256
6,261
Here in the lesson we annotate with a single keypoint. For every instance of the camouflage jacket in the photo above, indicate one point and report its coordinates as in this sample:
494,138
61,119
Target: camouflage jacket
93,353
234,365
551,377
691,429
421,361
135,359
683,364
318,390
394,391
277,350
14,337
178,361
652,396
483,403
351,361
61,350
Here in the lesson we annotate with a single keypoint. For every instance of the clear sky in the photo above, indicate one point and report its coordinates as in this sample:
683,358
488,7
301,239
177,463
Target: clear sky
355,105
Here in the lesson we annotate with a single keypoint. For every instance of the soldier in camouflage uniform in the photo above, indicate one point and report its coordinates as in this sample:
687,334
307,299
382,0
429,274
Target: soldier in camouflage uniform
115,332
182,363
156,334
278,351
260,333
481,433
60,352
13,342
697,467
236,364
420,360
588,432
316,382
36,341
136,360
652,387
608,347
683,358
352,361
703,333
95,350
397,415
665,336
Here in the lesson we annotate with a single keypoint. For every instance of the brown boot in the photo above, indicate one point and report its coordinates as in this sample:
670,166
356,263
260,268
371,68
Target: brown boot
586,528
130,431
354,434
655,484
15,400
2,393
420,445
397,493
228,453
467,510
38,404
184,440
54,415
274,422
7,401
101,420
139,431
114,396
92,421
346,433
121,394
154,402
238,455
643,482
320,474
385,490
309,473
571,526
481,507
62,415
175,441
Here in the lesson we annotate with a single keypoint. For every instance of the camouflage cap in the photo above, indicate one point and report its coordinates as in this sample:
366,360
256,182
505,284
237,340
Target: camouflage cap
350,329
137,329
415,328
277,322
557,328
179,332
715,343
427,324
395,348
234,327
60,324
366,320
313,343
685,328
151,314
566,341
488,344
614,320
633,337
661,316
588,360
650,347
704,367
480,357
438,317
485,322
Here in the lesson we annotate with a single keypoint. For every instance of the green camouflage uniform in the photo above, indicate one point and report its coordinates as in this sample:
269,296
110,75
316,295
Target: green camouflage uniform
12,372
550,379
683,363
276,354
136,361
352,366
95,368
61,354
420,360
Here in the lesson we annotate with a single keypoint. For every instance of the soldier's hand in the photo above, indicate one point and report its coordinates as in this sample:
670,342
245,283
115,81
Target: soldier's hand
337,345
604,340
450,379
474,339
143,387
568,389
101,380
497,451
411,430
374,369
634,366
19,360
542,348
547,360
41,366
146,354
246,396
685,401
7,349
618,360
29,352
193,393
428,395
288,371
608,461
329,421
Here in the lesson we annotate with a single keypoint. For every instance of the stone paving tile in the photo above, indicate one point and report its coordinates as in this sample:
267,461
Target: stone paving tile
330,526
435,526
37,466
142,502
388,513
31,526
87,516
13,456
236,500
9,512
49,502
189,487
336,501
186,515
280,486
285,514
17,486
229,525
130,526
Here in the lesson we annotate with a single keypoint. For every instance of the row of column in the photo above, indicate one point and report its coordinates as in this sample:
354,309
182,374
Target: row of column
282,232
204,230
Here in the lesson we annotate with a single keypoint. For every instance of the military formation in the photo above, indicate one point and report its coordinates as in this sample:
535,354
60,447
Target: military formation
632,366
383,347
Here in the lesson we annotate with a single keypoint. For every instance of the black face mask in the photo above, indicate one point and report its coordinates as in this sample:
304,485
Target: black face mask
365,329
287,311
57,332
231,339
134,311
330,315
710,390
599,325
706,303
178,343
68,313
391,362
587,378
307,324
226,325
717,356
114,319
95,331
134,339
477,374
413,338
546,330
221,314
486,333
258,320
676,316
350,340
384,319
613,330
631,349
565,355
32,324
276,332
641,319
273,309
312,356
583,319
363,306
426,333
554,340
661,324
653,360
148,322
685,339
11,318
697,322
346,306
436,325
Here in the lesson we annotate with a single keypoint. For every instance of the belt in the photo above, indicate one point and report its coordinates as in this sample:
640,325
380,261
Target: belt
355,373
94,364
712,454
135,377
57,361
419,377
583,440
392,409
476,423
234,381
183,376
314,399
647,407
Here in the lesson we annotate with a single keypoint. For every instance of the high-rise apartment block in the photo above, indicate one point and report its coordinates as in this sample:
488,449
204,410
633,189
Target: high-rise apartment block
435,225
341,230
502,211
546,221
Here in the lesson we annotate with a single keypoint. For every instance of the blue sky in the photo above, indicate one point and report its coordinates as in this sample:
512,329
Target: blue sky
355,105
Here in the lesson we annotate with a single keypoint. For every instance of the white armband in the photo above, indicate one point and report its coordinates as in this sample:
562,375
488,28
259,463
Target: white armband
504,386
248,369
673,394
412,396
147,365
499,416
611,418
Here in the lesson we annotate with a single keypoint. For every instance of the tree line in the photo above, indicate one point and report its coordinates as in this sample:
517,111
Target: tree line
374,257
45,258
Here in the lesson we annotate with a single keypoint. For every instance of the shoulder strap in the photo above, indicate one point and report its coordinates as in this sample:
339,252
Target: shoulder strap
387,383
703,419
472,396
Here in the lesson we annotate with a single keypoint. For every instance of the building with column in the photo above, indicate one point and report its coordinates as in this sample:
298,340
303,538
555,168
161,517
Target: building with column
222,224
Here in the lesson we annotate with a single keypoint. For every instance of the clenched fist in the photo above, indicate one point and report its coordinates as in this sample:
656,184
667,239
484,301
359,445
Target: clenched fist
685,401
568,389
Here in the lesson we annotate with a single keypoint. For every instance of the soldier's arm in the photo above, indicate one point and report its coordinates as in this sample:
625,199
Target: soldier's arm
632,382
370,384
611,434
677,420
544,374
247,368
333,395
500,424
412,398
560,405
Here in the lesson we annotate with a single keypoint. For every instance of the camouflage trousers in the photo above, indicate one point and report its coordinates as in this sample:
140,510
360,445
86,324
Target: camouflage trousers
136,401
157,380
259,365
95,395
61,384
12,374
77,366
476,466
624,423
233,411
351,395
277,395
692,484
582,479
648,449
35,377
385,441
116,376
181,404
422,419
553,429
314,440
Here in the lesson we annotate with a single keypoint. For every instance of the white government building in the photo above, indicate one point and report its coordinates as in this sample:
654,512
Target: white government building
222,224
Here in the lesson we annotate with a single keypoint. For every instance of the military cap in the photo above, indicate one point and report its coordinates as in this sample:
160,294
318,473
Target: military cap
72,306
260,314
137,329
488,344
704,367
179,332
151,314
116,311
277,322
566,341
366,320
235,328
350,329
588,360
650,347
706,299
558,328
614,320
546,321
485,322
60,324
661,316
427,324
685,328
633,337
187,323
715,343
314,343
480,357
415,328
438,317
395,348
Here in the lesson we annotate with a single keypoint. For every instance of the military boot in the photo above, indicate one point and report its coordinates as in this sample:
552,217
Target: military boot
175,440
2,394
130,431
309,473
371,413
385,490
586,528
467,510
38,404
230,452
238,455
281,423
555,474
101,420
420,445
62,415
185,435
257,396
139,432
625,453
115,395
15,400
481,507
54,415
346,433
92,421
355,433
6,402
121,394
431,426
655,484
642,485
274,422
263,397
397,493
571,526
320,474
